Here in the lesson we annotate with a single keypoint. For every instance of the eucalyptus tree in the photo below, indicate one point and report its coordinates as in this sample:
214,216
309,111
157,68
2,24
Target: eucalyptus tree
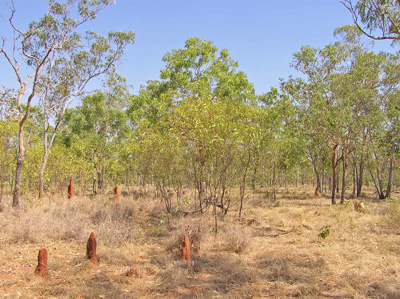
97,125
200,99
160,157
330,99
377,19
215,134
383,137
199,70
319,111
45,48
281,149
67,77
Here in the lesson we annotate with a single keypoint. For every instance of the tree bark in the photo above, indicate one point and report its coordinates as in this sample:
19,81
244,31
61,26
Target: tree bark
317,175
18,169
343,176
17,182
389,185
353,193
360,177
333,197
243,183
41,175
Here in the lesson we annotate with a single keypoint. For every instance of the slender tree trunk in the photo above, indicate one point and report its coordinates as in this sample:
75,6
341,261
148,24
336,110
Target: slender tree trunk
389,184
253,179
17,182
11,182
360,177
317,175
274,183
353,194
378,190
94,189
333,198
343,177
337,179
18,169
100,177
41,174
243,183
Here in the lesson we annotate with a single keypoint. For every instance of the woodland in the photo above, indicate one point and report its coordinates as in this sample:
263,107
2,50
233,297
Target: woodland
197,186
200,125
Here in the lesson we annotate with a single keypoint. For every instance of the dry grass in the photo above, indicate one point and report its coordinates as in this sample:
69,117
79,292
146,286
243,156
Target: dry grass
279,255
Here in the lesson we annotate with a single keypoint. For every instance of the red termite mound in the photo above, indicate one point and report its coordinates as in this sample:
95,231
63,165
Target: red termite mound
316,192
116,194
71,189
91,248
186,249
132,272
150,271
42,268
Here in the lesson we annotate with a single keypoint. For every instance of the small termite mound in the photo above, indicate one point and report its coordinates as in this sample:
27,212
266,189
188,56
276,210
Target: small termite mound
42,268
186,249
316,192
116,194
91,248
132,272
71,189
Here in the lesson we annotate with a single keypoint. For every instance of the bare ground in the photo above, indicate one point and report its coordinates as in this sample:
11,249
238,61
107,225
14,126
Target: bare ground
279,255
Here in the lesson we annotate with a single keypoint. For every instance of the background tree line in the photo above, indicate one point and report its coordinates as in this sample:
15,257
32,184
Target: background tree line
200,125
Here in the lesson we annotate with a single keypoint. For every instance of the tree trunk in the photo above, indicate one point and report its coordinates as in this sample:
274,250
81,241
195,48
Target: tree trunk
243,182
353,193
100,178
317,176
337,180
215,217
274,183
41,174
343,177
253,179
333,198
20,160
390,179
18,173
94,190
360,177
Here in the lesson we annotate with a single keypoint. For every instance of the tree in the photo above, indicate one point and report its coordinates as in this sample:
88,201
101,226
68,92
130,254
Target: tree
41,52
97,125
342,78
201,109
66,79
199,70
377,19
383,126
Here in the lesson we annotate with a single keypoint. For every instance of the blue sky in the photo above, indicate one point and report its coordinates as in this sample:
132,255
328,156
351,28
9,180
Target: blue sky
261,35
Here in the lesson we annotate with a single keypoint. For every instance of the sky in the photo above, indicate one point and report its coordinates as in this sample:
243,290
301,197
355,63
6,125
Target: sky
261,35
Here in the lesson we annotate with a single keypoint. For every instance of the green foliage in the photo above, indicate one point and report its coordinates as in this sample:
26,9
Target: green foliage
199,71
378,19
324,232
94,132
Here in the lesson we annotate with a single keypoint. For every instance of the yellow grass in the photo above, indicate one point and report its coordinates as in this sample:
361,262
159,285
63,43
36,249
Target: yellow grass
279,255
